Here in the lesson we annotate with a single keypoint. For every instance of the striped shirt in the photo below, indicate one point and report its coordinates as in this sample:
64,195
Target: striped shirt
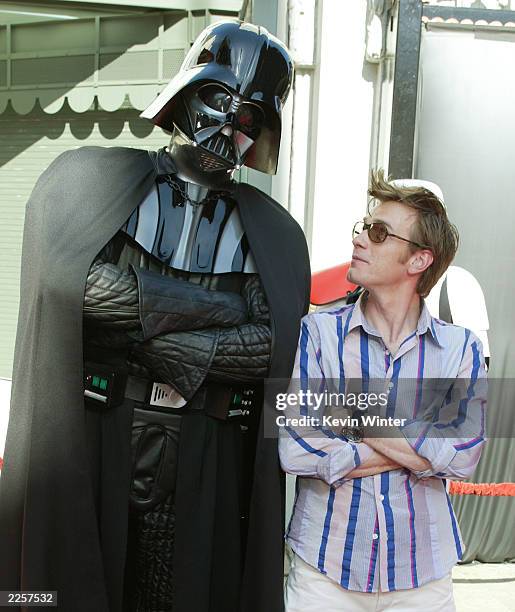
394,530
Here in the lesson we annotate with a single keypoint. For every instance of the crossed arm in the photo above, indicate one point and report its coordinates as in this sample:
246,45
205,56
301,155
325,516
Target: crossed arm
389,454
332,458
177,331
447,448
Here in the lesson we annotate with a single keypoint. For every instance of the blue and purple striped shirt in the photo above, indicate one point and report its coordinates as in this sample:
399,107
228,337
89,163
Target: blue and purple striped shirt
395,530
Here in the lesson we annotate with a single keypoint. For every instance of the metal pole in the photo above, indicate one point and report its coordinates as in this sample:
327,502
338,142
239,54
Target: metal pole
404,109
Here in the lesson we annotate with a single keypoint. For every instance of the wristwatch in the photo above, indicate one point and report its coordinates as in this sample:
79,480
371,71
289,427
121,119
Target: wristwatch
355,434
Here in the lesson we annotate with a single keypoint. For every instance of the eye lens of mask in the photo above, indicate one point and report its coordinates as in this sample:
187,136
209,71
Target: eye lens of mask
249,118
216,98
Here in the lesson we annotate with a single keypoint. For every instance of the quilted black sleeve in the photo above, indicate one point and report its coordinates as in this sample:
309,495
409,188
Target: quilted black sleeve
111,297
237,354
243,352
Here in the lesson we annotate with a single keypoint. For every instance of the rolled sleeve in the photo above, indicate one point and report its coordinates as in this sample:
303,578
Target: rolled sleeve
314,451
342,460
439,451
453,442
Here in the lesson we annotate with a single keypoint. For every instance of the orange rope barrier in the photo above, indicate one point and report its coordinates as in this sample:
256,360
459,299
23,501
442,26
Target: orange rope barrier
504,489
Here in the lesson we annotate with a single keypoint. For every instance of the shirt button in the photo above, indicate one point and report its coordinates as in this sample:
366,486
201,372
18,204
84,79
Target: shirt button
381,497
375,536
390,386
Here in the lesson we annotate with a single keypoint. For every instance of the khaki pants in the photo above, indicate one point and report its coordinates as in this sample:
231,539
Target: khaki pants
307,590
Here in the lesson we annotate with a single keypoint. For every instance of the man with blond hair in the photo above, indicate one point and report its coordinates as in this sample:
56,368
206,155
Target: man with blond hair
372,526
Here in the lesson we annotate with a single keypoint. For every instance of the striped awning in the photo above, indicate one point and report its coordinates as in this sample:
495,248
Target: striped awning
80,99
117,60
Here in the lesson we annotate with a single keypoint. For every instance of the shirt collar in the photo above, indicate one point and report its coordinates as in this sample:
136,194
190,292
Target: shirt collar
425,322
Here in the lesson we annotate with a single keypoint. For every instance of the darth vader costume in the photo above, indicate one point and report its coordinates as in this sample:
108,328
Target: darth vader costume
156,296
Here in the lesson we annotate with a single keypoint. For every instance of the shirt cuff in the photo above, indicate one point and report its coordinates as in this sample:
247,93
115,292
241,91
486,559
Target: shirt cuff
338,463
429,443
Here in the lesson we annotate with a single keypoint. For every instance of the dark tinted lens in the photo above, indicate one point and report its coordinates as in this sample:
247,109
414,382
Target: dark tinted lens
377,232
216,98
249,118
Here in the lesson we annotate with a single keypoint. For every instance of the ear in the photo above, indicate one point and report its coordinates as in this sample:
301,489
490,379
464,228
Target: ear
420,261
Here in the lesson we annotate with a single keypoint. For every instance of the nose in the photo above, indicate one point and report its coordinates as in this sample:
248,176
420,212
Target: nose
226,130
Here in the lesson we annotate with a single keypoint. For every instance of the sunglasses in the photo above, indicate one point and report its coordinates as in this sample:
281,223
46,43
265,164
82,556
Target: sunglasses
378,232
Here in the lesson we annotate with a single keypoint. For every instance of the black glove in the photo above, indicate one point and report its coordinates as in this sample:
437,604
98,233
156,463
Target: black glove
168,304
240,353
181,359
148,301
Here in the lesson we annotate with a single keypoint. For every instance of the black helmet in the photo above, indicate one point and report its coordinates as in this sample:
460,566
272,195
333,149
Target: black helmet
242,59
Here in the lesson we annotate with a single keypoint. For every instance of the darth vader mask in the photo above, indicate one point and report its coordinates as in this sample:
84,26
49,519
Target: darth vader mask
214,130
224,106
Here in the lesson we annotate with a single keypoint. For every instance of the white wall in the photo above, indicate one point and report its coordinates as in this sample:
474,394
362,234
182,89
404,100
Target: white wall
344,132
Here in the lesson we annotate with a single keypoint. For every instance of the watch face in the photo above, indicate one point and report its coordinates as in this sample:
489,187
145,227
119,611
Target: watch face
353,434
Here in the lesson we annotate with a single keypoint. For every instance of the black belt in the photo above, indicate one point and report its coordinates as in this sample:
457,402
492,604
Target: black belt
153,393
108,386
136,388
223,401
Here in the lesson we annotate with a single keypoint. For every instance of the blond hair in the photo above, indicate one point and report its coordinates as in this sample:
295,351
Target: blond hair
432,227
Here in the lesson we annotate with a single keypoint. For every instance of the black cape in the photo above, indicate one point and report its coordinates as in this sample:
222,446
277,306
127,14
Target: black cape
49,534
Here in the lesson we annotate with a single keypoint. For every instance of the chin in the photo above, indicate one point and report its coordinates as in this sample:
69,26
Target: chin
352,277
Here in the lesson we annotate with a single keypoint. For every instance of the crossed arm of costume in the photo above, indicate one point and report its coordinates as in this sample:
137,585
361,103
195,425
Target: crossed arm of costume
179,332
448,447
